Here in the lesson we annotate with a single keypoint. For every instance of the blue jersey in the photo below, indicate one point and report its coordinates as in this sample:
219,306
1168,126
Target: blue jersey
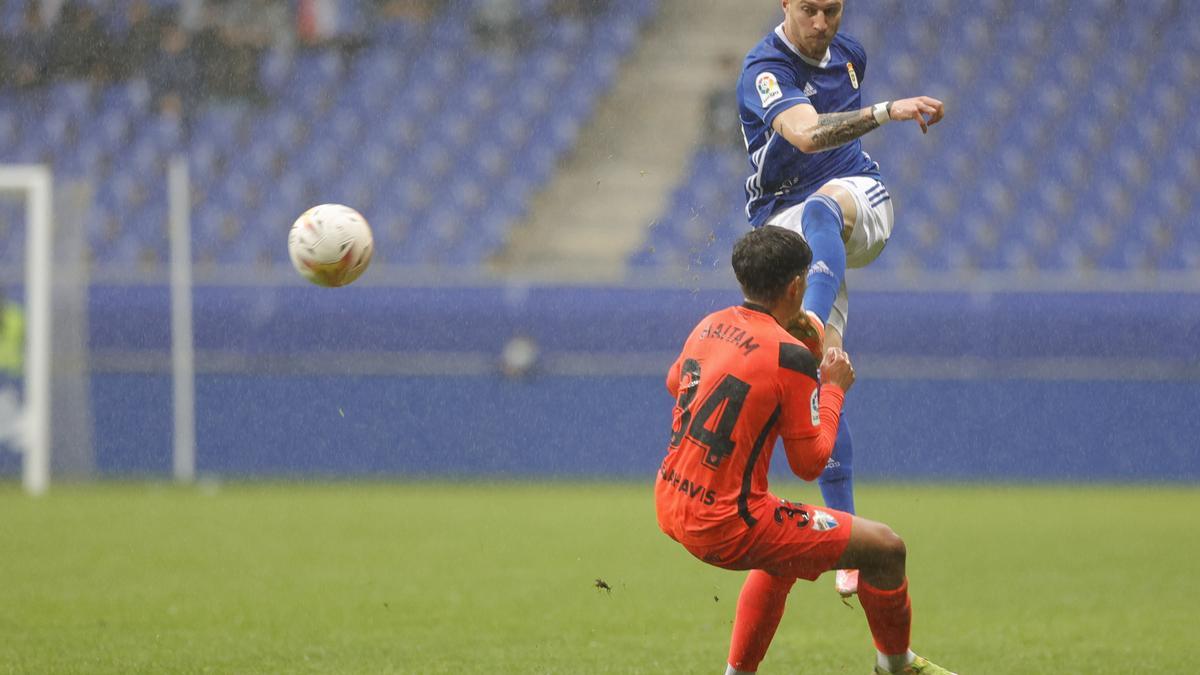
775,77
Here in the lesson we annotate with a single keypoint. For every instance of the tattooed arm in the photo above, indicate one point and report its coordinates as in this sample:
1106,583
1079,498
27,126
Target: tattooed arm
810,132
834,129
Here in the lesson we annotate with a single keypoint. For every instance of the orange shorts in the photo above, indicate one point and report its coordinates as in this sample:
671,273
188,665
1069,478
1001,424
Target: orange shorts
789,540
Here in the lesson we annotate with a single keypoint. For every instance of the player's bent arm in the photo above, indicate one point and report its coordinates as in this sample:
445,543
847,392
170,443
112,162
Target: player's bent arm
810,132
808,456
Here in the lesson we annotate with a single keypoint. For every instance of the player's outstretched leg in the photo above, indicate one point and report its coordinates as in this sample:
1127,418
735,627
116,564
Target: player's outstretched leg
759,609
879,555
824,222
822,225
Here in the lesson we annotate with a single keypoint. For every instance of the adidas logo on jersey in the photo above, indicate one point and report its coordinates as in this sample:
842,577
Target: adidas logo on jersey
809,90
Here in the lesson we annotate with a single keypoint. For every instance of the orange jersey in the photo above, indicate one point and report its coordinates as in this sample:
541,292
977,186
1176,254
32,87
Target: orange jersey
741,382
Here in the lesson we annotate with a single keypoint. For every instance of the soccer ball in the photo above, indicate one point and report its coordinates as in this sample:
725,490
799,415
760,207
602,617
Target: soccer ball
330,244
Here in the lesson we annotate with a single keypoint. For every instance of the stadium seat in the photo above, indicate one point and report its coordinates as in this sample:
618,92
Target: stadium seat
73,97
10,129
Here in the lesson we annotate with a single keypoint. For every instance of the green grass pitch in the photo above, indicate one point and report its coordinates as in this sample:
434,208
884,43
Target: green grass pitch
501,578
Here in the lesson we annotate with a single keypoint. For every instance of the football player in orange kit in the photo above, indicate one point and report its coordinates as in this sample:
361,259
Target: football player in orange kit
740,383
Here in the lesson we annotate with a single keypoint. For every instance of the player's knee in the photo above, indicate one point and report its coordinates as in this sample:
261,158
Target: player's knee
892,549
845,201
836,191
889,550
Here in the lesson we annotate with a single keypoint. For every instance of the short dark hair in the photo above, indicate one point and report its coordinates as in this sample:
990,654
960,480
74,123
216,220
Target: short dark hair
767,259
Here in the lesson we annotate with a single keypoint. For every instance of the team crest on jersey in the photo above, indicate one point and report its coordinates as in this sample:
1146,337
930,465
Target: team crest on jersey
814,405
822,521
768,89
853,75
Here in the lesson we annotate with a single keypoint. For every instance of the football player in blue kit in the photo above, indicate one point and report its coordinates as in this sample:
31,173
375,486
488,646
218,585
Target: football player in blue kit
802,116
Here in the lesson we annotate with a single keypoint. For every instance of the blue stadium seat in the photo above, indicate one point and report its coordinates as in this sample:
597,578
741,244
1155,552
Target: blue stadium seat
133,97
112,125
10,129
54,124
11,20
125,252
396,32
85,160
166,132
73,97
274,69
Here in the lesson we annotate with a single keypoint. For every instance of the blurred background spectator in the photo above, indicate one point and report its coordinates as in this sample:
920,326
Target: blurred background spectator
722,127
331,23
498,25
139,45
412,10
79,46
25,53
172,72
231,41
188,51
579,8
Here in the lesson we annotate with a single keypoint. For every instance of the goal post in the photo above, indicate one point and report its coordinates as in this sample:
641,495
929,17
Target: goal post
183,368
46,422
36,184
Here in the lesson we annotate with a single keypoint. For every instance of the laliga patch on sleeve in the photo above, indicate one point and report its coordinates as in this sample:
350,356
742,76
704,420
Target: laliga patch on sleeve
815,407
823,522
768,89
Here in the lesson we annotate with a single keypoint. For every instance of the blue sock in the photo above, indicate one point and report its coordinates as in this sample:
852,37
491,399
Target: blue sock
821,221
837,481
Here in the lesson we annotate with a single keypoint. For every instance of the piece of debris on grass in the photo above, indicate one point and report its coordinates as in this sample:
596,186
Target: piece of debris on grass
602,585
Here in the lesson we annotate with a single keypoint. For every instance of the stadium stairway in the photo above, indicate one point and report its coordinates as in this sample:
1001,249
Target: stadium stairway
599,207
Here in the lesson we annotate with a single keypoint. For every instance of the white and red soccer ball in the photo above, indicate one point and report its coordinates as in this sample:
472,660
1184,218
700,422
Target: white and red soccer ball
330,244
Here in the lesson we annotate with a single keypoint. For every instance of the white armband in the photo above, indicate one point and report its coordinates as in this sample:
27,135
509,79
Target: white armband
881,113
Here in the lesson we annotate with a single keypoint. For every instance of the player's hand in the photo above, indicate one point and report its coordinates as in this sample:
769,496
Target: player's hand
926,111
837,369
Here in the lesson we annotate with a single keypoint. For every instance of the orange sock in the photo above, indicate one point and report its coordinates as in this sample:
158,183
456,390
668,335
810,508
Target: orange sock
759,609
889,614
